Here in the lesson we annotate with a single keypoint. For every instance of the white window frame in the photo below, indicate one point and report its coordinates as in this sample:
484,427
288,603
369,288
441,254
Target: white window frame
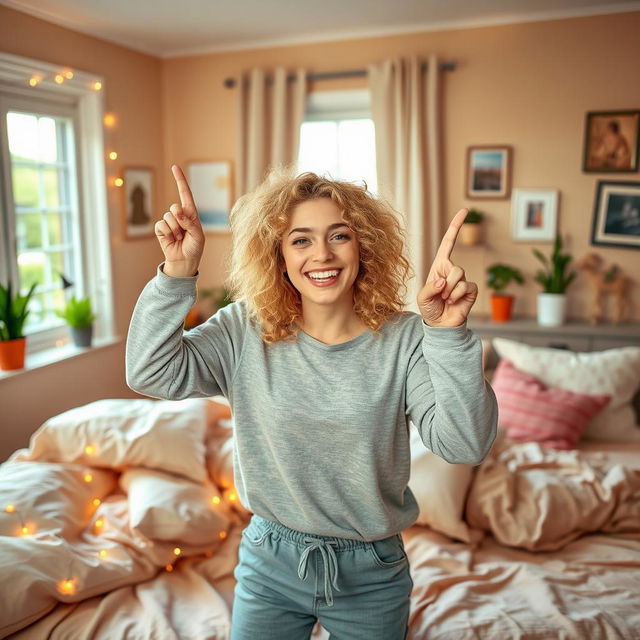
94,248
336,106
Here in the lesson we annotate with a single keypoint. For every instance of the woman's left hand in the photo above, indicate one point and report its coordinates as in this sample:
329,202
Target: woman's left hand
447,297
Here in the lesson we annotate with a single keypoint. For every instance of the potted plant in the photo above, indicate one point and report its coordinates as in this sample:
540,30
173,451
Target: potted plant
552,303
218,296
79,316
498,277
471,230
13,314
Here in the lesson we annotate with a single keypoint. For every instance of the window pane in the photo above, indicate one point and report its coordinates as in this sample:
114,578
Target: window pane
47,140
57,265
51,188
25,186
37,313
357,152
31,267
318,148
29,231
23,136
54,228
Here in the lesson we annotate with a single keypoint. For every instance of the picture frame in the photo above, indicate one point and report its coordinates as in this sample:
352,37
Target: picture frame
139,202
611,141
616,215
534,215
488,174
211,184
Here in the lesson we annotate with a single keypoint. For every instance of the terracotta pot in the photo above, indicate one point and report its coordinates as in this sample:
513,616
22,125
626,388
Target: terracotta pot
12,353
501,308
470,234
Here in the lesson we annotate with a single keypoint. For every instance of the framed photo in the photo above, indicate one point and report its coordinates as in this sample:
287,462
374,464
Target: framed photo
616,217
210,183
139,207
489,172
611,141
534,215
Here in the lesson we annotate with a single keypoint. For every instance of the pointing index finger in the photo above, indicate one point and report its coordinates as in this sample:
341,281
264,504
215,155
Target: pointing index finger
451,235
186,197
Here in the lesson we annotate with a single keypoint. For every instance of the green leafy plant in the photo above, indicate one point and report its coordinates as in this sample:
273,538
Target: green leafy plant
473,217
220,296
77,313
500,275
13,312
553,278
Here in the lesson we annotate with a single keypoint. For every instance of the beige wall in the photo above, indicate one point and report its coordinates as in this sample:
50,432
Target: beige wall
527,85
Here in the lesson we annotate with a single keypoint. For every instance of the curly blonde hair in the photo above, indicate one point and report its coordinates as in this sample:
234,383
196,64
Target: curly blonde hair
258,223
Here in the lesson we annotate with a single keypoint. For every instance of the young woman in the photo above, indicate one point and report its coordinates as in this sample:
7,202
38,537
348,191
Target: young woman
323,371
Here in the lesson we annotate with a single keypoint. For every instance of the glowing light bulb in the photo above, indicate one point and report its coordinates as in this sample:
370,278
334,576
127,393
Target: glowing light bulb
99,523
169,568
103,553
109,120
232,497
59,78
87,477
10,508
215,499
24,531
177,551
34,81
97,86
90,449
68,75
96,502
118,182
113,156
223,535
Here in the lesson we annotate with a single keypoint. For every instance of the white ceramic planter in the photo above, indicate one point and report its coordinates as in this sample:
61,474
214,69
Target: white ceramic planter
551,309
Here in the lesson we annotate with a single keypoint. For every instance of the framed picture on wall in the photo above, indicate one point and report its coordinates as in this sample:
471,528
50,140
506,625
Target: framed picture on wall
534,215
139,213
488,172
611,141
210,183
616,216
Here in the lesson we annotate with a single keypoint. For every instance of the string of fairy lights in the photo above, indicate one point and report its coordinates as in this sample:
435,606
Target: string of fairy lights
70,584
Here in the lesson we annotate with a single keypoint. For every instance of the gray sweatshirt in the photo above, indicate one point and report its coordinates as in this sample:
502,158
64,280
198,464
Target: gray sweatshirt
321,440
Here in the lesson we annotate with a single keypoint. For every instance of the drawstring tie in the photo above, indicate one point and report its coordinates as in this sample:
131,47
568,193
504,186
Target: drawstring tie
330,564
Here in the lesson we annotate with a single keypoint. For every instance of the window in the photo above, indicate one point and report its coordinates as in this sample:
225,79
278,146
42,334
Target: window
337,137
54,209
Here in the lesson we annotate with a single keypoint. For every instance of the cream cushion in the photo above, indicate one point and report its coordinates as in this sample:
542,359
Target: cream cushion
614,372
440,489
117,434
167,507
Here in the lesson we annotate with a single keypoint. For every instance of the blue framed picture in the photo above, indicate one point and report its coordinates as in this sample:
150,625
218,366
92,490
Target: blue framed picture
210,183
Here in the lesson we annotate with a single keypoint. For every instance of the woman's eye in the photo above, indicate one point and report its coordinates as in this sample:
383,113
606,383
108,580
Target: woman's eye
299,241
341,236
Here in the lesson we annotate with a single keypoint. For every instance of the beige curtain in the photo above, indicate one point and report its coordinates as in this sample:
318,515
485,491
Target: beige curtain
269,119
404,104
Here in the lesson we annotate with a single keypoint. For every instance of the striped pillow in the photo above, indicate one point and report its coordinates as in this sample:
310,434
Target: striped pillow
531,411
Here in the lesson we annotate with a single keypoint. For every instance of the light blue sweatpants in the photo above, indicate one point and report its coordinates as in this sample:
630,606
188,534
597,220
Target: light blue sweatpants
287,579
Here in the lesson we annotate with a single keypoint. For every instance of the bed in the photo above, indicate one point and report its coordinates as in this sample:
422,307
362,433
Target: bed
121,520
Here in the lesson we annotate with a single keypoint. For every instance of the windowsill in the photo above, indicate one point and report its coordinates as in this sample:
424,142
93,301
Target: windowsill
58,354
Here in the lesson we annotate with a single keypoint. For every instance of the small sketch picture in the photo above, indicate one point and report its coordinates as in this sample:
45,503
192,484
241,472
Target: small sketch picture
210,184
534,215
488,172
139,202
611,141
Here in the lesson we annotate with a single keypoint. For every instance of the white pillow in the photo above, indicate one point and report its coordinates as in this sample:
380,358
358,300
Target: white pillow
167,507
440,489
615,372
117,434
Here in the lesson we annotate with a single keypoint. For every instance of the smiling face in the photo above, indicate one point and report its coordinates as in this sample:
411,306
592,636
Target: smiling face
321,254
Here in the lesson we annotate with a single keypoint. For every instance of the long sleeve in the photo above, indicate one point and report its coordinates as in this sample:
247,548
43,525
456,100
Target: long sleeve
447,396
163,361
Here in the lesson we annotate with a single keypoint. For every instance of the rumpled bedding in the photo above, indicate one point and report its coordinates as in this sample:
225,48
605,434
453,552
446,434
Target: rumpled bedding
120,525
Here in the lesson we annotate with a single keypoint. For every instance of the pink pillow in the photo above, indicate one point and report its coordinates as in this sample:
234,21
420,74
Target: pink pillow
531,411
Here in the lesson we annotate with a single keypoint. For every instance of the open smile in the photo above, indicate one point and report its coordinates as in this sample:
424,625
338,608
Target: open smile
323,278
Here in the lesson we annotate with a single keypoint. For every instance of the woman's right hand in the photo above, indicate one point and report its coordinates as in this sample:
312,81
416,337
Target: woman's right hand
180,233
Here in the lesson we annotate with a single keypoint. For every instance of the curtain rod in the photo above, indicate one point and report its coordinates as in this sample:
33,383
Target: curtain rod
229,83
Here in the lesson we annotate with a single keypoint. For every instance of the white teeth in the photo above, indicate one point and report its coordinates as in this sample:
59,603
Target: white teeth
319,275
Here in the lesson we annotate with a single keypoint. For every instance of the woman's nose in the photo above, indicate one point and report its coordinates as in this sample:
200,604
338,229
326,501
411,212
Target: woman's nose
323,251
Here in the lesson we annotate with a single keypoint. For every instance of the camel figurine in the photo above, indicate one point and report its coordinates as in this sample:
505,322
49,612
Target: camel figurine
610,280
